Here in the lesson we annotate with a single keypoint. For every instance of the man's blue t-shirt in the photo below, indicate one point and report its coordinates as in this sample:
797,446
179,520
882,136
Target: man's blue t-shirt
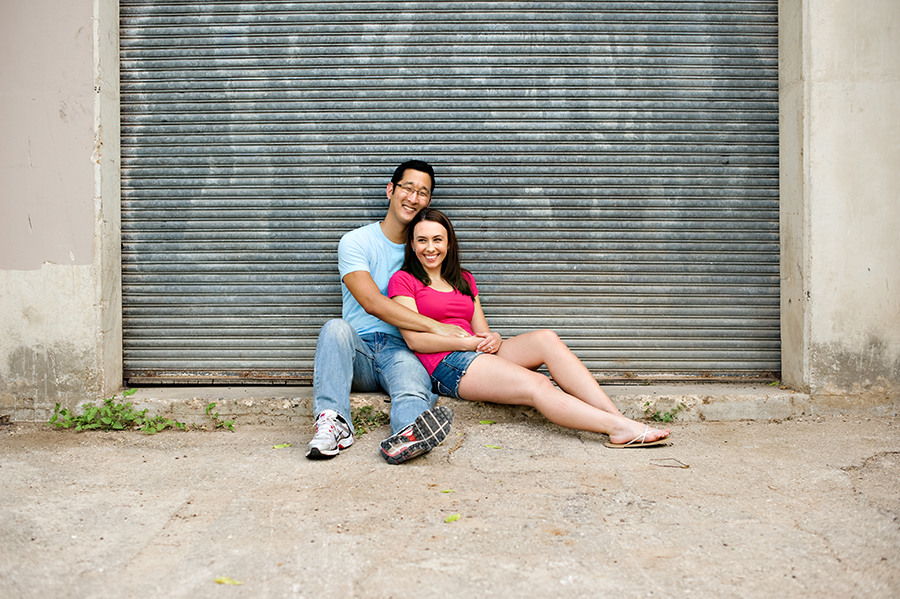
368,249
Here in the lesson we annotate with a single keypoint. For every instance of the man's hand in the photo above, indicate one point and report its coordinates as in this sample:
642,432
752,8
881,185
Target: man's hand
449,330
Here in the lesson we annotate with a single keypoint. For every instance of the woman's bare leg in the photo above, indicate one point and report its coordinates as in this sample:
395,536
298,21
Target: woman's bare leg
494,379
532,349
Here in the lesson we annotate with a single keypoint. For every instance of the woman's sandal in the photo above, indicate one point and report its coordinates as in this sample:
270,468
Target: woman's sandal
639,441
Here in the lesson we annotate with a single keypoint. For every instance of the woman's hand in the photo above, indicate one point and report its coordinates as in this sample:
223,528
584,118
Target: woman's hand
490,342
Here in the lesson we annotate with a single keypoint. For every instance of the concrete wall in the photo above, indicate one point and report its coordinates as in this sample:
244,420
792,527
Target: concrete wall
840,194
60,298
60,312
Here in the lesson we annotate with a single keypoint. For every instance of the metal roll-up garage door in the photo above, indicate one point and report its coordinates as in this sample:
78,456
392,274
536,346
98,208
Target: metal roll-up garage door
611,167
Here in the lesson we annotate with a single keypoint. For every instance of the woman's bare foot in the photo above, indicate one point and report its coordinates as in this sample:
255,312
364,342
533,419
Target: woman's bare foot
629,430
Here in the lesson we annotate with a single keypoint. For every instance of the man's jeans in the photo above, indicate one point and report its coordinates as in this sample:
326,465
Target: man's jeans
346,361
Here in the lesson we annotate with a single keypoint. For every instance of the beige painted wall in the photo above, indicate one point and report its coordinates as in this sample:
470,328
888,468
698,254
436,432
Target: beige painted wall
60,312
840,173
46,74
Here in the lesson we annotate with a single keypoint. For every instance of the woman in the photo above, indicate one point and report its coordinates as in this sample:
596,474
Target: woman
484,367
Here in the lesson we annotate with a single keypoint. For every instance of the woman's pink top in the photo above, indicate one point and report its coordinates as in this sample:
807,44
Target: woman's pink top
451,307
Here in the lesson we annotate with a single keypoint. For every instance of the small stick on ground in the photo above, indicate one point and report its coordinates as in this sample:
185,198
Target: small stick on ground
676,464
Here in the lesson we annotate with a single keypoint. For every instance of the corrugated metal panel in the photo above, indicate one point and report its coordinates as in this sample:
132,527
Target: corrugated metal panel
612,168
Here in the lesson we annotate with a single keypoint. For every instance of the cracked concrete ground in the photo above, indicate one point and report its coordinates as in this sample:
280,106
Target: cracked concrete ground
798,507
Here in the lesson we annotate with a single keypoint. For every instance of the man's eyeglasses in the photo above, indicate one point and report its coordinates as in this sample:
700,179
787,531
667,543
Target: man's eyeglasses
425,195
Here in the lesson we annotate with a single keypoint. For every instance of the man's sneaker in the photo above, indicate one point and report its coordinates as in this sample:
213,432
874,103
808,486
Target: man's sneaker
332,435
423,435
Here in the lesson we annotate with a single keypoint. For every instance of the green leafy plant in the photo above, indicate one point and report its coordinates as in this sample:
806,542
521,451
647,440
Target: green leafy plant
112,416
367,418
117,416
219,423
659,416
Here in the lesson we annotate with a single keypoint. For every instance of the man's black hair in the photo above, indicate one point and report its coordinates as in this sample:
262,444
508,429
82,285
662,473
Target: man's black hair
416,165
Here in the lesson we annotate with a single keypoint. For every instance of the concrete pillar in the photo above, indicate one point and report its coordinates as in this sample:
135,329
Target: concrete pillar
839,71
60,299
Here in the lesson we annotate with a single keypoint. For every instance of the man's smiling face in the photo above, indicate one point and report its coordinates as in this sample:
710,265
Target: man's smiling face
410,195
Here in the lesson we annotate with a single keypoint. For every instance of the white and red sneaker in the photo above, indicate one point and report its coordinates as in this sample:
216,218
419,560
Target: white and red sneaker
429,429
332,435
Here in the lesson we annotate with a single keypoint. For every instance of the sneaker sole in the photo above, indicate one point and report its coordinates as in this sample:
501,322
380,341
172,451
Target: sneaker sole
314,453
430,428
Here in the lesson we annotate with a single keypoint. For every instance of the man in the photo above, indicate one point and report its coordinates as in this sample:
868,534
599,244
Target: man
363,350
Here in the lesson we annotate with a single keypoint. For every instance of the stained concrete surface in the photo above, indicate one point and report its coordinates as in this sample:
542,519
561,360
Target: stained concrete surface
798,507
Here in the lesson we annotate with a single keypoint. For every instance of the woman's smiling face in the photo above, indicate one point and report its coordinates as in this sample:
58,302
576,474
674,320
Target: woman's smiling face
430,244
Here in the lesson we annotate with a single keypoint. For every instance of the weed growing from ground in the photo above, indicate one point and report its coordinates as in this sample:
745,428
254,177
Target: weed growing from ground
118,416
366,418
663,416
229,424
112,416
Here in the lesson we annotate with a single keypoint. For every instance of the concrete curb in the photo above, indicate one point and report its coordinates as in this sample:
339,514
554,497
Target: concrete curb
688,402
288,405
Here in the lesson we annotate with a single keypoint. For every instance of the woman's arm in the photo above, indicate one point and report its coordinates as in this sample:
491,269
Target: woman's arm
430,343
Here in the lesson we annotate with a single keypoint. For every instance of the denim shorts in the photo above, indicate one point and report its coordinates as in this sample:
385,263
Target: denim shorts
446,376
